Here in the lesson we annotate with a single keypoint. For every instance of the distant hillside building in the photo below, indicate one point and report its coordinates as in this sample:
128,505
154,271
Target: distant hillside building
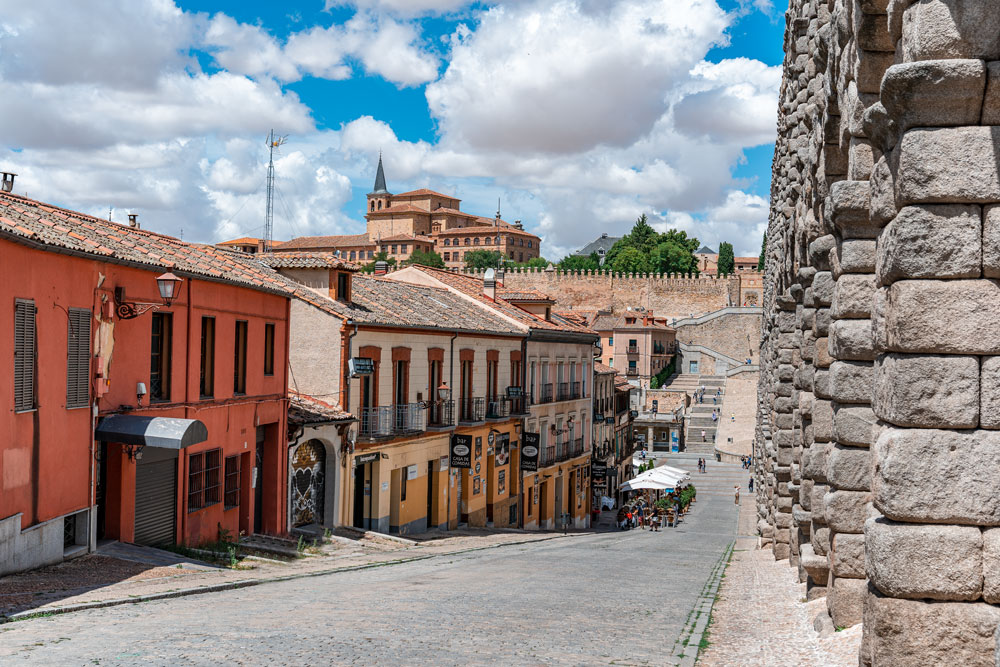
423,219
600,246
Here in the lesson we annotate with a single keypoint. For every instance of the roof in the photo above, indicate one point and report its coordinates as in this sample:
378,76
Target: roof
399,208
406,237
305,409
473,287
453,211
53,228
655,323
383,302
306,260
576,317
379,179
246,240
424,192
622,383
746,259
603,369
489,230
531,295
604,322
604,242
705,250
313,242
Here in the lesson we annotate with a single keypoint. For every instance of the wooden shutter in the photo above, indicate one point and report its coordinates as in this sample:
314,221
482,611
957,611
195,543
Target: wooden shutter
78,358
24,354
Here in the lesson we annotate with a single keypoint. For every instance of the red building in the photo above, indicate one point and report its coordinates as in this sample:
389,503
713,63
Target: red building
129,416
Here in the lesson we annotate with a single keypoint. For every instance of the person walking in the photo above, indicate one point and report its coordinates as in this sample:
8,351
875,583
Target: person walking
750,484
734,417
641,513
703,439
736,494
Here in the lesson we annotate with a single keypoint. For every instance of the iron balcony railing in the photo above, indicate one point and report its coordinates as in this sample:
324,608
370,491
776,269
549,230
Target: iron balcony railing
497,408
632,372
472,409
574,390
547,456
441,414
545,393
577,447
563,394
632,349
517,405
387,421
660,348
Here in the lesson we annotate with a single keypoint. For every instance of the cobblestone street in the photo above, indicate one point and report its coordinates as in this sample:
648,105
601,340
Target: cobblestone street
597,598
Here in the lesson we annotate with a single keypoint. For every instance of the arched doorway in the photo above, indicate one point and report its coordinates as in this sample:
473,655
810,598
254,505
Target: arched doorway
308,483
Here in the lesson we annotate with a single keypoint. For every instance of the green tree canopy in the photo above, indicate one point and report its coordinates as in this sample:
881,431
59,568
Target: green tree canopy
425,258
763,251
645,250
483,259
380,257
727,261
534,262
589,262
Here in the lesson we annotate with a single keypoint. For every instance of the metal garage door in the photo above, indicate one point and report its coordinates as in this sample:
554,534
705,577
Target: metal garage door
155,499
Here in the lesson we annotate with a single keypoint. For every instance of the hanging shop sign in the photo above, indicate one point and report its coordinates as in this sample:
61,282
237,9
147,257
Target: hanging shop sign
503,450
529,451
598,470
365,458
461,451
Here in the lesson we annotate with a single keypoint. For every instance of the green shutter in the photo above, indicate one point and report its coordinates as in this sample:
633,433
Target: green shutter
24,354
78,358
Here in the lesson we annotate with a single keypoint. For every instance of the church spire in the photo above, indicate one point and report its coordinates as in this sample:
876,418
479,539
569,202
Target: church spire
379,178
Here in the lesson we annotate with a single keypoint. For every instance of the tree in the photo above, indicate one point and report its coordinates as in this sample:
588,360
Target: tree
534,262
580,262
483,259
380,257
763,250
727,262
672,257
425,258
631,260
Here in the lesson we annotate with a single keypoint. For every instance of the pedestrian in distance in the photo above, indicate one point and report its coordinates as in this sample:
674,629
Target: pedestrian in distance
750,484
736,494
703,436
734,417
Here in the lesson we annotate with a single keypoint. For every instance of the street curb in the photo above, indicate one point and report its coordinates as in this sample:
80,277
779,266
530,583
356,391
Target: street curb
247,583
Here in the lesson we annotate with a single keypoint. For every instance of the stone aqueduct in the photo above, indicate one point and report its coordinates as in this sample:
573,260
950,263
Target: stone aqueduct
877,448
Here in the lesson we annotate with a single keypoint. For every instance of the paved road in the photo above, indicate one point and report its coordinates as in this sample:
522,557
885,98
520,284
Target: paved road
614,597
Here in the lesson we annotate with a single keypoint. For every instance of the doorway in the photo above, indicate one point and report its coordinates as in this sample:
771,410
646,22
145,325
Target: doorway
156,497
543,505
557,515
258,482
309,484
359,495
432,483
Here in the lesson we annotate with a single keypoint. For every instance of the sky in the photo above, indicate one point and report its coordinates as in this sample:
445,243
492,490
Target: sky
576,115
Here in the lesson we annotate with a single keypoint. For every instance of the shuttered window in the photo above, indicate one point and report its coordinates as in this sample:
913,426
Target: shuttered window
78,358
232,482
240,362
204,479
24,355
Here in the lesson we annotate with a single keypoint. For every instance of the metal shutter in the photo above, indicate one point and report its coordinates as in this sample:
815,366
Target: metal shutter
24,354
155,502
78,358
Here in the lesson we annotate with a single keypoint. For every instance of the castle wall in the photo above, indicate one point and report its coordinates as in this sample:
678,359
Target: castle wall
876,435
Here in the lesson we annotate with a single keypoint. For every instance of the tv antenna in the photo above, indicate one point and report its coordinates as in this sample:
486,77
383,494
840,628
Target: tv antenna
273,142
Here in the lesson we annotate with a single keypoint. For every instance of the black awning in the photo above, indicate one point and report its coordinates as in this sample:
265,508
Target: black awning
165,432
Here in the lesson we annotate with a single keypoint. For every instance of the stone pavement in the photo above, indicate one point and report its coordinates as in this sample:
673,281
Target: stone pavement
621,597
761,617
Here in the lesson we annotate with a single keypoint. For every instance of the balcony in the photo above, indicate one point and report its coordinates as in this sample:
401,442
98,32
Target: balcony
545,394
577,448
547,456
390,421
497,408
563,394
574,391
472,409
660,348
632,349
632,372
441,414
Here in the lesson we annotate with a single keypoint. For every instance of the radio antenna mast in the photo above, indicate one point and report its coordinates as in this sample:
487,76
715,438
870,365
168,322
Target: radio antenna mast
273,142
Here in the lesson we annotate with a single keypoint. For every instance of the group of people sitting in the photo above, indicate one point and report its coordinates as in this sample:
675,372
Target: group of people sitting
747,462
640,514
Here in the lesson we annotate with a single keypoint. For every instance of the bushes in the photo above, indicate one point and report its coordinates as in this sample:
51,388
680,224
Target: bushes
687,494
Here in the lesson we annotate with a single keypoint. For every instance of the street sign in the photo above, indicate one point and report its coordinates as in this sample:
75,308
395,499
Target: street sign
362,459
361,366
461,451
529,451
598,469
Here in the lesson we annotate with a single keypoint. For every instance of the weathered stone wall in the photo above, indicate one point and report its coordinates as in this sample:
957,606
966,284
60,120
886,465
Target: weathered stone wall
876,447
664,295
734,332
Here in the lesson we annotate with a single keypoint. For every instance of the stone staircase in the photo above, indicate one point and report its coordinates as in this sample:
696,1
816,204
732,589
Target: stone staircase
719,479
698,417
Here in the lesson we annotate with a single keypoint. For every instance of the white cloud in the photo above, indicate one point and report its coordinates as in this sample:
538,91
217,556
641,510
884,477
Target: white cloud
405,7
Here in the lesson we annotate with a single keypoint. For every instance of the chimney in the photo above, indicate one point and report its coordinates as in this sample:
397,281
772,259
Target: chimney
500,274
518,225
133,220
490,284
381,268
7,184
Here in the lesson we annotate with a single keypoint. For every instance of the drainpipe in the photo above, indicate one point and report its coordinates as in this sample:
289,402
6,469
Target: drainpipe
345,355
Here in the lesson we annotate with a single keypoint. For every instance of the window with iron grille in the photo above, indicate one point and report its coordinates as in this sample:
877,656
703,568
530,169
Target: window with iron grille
269,344
78,358
24,355
204,479
240,364
159,357
232,482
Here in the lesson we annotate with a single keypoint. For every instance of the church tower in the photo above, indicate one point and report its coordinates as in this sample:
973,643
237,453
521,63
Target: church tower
379,197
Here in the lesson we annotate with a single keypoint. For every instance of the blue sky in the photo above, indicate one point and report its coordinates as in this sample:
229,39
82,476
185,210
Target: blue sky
578,114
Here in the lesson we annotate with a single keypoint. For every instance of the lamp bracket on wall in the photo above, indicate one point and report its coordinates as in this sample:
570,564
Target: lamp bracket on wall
128,310
134,452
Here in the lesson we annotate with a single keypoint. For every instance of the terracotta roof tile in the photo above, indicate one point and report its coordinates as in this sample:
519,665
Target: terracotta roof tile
316,242
306,260
306,409
33,221
425,191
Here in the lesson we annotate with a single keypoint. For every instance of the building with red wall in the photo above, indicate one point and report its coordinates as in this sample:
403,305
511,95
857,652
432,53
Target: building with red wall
124,418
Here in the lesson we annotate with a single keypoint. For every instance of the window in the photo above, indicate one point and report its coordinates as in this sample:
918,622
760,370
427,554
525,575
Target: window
269,336
232,498
371,254
159,358
24,355
204,483
343,287
208,356
240,362
529,244
447,241
611,341
491,380
380,204
475,241
354,254
403,249
521,242
468,241
392,249
520,256
447,256
78,358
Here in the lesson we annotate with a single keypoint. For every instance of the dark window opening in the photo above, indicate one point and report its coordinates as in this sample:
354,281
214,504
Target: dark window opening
240,366
207,389
159,358
232,498
269,348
